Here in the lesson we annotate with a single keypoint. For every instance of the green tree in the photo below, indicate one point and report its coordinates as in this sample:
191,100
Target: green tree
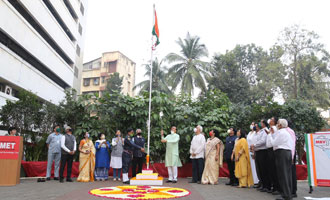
306,62
159,82
246,74
189,70
114,83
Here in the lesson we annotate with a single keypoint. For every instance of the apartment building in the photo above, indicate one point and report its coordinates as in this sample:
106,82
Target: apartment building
96,72
41,47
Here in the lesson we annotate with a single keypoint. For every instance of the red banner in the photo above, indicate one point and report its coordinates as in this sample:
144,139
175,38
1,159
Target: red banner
9,147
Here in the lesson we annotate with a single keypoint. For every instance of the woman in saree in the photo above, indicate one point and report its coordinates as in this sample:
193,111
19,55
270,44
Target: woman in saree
242,161
102,165
86,160
213,158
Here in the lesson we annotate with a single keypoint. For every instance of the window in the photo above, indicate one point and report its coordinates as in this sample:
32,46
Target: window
71,10
86,81
80,29
96,81
82,9
103,79
78,50
111,66
76,72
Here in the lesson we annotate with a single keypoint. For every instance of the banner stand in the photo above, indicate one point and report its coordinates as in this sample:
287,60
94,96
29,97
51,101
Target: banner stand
318,159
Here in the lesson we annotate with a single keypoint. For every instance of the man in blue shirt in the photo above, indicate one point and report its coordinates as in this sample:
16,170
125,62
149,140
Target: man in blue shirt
230,143
54,152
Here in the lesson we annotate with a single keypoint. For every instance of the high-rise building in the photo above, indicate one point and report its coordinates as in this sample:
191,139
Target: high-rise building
96,72
41,47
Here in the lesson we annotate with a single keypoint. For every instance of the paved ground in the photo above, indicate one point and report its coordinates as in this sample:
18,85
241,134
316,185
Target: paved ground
30,189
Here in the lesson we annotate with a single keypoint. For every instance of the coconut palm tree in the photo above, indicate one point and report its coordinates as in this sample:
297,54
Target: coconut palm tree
158,78
188,70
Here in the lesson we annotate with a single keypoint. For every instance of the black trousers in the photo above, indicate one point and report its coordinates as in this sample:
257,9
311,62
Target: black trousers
294,176
271,169
197,168
261,162
137,162
66,159
283,161
127,160
231,168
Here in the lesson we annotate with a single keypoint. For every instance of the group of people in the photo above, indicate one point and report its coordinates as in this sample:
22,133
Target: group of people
264,158
95,160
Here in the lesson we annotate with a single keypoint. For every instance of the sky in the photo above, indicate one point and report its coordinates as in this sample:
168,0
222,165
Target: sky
126,25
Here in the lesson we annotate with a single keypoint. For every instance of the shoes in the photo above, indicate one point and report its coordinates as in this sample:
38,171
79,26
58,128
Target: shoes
61,180
229,183
257,186
126,182
69,180
275,193
269,191
56,178
198,182
168,181
192,182
118,179
48,179
235,184
294,195
174,181
263,190
114,179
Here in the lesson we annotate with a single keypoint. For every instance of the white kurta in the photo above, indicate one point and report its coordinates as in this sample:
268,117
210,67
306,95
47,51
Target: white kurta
251,140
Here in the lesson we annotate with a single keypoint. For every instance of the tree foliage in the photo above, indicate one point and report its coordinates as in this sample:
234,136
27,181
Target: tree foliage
159,79
114,83
188,70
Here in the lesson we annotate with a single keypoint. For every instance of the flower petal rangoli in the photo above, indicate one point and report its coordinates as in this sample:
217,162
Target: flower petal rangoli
139,192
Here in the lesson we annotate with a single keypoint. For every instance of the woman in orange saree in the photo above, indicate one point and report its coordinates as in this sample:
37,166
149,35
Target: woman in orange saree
86,160
242,161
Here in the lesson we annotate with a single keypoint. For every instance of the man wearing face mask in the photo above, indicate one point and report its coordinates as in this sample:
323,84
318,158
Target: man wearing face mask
251,140
138,155
229,146
54,152
129,147
69,147
197,151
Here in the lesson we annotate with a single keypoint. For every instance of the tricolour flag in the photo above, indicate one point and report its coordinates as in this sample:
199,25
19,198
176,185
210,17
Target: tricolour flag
155,30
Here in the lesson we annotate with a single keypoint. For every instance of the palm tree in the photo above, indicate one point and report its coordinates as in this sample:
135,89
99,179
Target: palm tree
158,78
188,70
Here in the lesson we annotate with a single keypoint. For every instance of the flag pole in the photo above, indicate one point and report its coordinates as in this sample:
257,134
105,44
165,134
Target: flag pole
150,91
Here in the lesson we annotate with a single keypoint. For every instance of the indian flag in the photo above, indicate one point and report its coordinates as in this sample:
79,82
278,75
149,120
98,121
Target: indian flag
155,30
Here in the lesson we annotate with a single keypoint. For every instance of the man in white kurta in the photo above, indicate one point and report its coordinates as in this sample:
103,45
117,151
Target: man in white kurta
172,159
197,153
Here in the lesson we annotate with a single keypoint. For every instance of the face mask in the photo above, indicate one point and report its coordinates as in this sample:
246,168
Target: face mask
58,130
210,134
251,127
254,128
228,131
87,135
195,130
172,132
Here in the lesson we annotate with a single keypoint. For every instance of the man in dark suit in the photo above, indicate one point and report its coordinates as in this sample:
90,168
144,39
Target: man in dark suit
138,155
